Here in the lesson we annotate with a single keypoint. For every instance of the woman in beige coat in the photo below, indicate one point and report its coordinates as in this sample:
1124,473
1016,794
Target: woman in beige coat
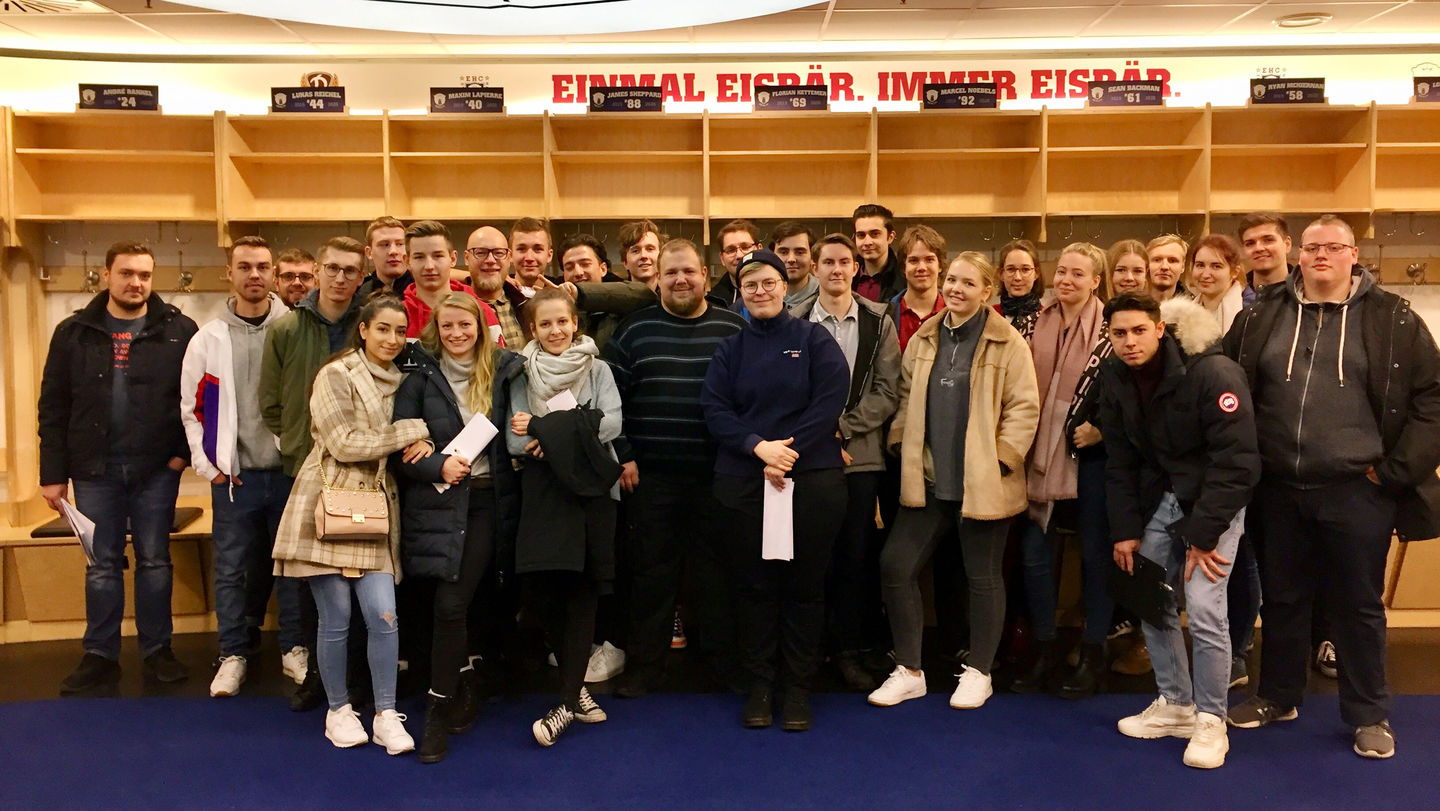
351,404
968,410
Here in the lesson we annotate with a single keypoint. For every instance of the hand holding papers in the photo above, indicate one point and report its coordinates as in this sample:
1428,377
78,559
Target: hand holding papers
777,539
83,528
469,443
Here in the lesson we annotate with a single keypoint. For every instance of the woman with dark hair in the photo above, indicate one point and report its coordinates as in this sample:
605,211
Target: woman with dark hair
453,534
773,397
1022,284
351,405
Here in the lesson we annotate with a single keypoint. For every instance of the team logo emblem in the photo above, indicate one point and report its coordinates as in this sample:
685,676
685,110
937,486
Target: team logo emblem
1097,93
1423,89
598,99
87,95
763,97
1259,91
320,78
280,99
1229,403
932,96
438,100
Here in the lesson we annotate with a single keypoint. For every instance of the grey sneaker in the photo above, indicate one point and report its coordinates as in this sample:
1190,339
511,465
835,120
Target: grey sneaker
1257,712
1375,741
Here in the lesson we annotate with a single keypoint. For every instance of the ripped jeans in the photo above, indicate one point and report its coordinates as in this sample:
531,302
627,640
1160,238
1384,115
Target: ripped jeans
376,593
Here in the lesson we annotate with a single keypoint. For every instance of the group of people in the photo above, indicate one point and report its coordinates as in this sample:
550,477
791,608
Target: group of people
1258,435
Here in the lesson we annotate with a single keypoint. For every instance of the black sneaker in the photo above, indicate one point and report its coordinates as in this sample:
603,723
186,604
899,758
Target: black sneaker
758,709
94,671
162,666
1257,712
795,712
548,729
309,695
1375,741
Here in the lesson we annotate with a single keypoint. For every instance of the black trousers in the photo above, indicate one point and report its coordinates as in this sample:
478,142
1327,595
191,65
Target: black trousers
676,521
450,645
780,605
566,602
1336,538
854,617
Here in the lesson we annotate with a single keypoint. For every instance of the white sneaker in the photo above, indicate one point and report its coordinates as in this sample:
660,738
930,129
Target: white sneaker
590,712
900,685
295,664
972,691
390,733
229,677
342,728
606,662
1209,744
1160,719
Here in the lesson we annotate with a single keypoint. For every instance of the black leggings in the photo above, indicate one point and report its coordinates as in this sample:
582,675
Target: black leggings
450,647
566,604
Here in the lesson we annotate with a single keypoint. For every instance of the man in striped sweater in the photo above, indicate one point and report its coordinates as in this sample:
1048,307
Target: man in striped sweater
659,356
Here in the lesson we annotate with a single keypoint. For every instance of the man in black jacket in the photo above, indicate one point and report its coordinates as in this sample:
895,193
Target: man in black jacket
881,276
1347,391
1180,435
110,420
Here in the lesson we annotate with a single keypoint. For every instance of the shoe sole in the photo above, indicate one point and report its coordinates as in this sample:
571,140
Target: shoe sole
224,694
593,718
1373,755
1243,681
343,745
535,729
390,750
428,759
759,723
1257,723
959,706
1197,765
1156,734
872,702
795,726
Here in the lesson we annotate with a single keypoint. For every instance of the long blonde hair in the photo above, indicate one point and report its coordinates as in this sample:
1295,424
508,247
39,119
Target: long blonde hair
482,374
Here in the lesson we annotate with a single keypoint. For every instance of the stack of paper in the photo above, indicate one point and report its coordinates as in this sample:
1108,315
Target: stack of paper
469,443
83,528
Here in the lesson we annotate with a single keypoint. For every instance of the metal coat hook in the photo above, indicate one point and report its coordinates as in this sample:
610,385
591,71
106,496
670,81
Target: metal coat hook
92,277
1010,228
990,237
1413,232
1070,233
1099,230
1395,222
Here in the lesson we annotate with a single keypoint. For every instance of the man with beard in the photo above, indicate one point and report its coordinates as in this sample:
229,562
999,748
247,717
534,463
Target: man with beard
295,276
487,254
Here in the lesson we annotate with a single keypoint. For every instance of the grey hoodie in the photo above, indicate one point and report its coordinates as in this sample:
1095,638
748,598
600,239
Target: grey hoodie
1313,414
256,446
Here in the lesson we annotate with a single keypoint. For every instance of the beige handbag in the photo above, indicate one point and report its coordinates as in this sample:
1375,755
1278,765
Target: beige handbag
353,515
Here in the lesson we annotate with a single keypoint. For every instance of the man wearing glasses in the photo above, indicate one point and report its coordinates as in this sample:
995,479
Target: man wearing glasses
737,238
487,255
297,276
1346,384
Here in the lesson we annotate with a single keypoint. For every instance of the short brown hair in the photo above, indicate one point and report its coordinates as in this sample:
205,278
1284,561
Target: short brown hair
927,236
126,249
530,225
874,210
838,239
251,241
343,245
1258,218
381,222
675,246
632,232
735,226
295,256
792,228
427,228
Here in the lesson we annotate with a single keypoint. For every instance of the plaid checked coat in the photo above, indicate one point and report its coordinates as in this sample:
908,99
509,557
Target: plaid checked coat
350,411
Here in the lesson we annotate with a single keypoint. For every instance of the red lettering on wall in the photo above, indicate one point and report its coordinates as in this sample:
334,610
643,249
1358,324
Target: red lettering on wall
842,87
564,88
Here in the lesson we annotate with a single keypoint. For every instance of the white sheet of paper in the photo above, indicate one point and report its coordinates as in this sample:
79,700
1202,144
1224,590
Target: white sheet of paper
777,539
83,528
564,401
469,443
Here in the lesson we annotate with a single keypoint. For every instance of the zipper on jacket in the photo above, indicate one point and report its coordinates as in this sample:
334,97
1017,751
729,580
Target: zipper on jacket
1305,392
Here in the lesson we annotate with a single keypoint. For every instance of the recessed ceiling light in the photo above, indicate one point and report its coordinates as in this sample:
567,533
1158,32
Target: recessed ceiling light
1303,19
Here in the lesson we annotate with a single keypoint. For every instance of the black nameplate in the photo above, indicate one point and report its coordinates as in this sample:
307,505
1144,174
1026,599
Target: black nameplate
950,96
792,97
119,97
1126,94
467,99
1287,91
1427,89
307,99
626,99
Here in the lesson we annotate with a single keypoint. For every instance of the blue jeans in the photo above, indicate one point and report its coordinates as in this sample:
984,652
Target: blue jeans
145,500
246,518
1037,558
376,594
1207,609
1096,550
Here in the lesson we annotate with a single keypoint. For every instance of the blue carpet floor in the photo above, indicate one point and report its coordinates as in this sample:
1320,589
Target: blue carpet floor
689,751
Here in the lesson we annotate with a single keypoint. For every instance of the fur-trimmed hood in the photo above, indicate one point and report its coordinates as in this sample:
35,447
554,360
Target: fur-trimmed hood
1192,325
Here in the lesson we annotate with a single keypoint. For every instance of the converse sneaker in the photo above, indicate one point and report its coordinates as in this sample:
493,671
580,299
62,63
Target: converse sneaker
390,732
1325,662
342,728
606,662
972,691
1257,712
1375,741
229,677
678,641
1208,744
1160,719
900,685
295,663
548,729
590,712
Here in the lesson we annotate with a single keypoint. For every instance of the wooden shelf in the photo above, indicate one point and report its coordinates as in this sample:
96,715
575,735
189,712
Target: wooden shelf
1290,124
779,154
1111,151
311,134
306,157
1281,150
119,155
466,134
1127,128
465,157
957,154
616,156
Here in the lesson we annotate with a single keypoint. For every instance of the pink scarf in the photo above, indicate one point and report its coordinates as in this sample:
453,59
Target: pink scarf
1060,358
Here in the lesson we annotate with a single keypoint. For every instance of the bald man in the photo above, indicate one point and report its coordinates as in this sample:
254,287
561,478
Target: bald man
487,256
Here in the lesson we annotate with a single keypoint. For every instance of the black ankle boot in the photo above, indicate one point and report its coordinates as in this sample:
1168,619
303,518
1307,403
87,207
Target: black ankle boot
434,740
465,706
1037,678
758,712
309,695
1088,677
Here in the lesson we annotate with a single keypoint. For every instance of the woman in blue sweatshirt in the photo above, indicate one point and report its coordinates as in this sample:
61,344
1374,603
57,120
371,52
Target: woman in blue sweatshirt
773,396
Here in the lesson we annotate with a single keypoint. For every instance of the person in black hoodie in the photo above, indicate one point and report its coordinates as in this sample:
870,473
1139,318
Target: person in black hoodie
1346,380
1180,434
881,275
457,534
773,397
110,420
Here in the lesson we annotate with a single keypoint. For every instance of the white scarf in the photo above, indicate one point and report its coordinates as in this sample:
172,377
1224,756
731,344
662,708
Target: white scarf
548,374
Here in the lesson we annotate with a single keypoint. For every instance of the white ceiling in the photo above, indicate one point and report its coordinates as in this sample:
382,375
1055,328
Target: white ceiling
838,26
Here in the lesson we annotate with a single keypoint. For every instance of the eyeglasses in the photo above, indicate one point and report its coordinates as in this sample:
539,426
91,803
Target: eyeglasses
291,278
768,285
1328,248
332,270
731,250
1017,270
481,254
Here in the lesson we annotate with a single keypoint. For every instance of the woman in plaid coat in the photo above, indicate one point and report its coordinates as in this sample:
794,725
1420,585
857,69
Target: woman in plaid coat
351,403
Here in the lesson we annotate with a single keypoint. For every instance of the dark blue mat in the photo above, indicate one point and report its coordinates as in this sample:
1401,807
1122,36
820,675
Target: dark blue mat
688,751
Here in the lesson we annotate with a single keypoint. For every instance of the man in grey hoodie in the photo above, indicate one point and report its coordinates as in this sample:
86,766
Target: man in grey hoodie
231,447
1346,384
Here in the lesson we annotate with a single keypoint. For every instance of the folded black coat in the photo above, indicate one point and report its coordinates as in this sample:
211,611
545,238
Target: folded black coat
566,498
